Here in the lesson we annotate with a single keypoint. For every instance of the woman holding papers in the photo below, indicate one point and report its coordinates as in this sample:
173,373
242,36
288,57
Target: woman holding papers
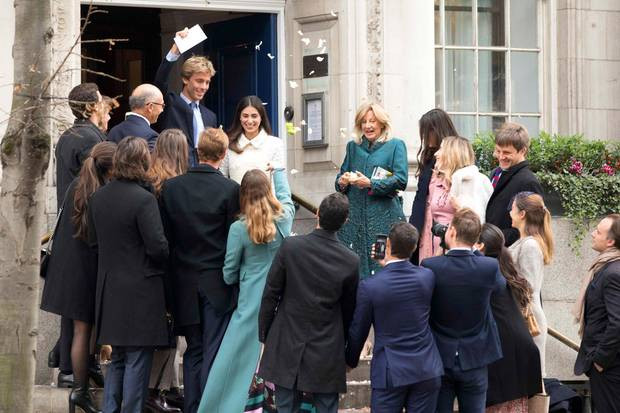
373,172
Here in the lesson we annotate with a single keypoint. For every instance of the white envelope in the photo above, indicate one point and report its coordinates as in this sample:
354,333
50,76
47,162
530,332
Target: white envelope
195,36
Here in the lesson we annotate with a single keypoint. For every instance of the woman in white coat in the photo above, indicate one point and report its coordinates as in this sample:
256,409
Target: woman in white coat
251,145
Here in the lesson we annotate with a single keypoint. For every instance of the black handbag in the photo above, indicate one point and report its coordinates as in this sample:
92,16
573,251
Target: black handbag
46,251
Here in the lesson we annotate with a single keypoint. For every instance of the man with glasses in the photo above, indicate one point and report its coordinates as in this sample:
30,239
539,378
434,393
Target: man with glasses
146,104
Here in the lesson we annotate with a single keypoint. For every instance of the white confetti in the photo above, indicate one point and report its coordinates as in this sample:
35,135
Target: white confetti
343,133
292,84
305,41
333,13
299,32
297,129
321,43
303,122
320,58
309,131
323,50
311,73
257,47
294,171
265,103
351,245
269,55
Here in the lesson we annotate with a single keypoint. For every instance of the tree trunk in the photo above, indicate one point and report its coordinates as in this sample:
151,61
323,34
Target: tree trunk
25,151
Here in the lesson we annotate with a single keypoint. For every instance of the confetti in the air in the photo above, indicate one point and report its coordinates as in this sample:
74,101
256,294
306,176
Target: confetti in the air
292,84
305,41
257,47
309,131
311,73
299,32
303,122
321,43
269,55
323,50
294,171
320,58
333,13
265,103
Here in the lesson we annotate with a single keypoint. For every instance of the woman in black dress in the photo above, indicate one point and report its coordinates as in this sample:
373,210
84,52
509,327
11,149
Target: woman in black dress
517,375
72,274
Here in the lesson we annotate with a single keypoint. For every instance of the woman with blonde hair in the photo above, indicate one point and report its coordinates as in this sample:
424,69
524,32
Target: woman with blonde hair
253,241
456,183
531,252
170,157
373,172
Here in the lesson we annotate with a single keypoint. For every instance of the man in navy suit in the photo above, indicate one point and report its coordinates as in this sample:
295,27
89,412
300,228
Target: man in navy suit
406,366
146,103
461,318
184,110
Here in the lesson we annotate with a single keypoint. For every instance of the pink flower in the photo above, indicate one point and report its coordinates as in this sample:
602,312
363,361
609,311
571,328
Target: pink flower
608,169
576,168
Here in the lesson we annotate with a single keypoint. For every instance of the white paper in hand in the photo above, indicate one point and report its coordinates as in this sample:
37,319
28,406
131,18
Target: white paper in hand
194,36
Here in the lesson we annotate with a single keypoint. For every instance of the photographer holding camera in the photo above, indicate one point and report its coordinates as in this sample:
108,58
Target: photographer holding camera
461,317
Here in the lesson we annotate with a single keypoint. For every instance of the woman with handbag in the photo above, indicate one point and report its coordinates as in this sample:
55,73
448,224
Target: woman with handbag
517,375
72,269
253,241
531,252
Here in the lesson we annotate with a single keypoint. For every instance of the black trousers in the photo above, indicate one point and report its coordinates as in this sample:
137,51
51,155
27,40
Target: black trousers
605,388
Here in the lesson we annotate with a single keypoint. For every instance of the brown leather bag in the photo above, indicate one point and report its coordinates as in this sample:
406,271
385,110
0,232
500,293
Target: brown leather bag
531,322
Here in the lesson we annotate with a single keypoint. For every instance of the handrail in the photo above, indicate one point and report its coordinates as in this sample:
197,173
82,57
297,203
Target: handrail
562,338
305,203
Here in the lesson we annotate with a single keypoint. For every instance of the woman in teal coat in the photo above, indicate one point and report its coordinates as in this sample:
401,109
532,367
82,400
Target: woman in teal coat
373,171
252,244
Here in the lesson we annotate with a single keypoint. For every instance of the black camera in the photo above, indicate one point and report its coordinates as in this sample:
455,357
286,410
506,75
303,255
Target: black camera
439,230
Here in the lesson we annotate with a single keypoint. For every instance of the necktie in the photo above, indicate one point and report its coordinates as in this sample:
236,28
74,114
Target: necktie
496,174
194,107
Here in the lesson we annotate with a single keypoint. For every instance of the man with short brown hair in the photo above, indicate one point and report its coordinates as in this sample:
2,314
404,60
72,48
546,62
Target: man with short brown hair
597,310
512,176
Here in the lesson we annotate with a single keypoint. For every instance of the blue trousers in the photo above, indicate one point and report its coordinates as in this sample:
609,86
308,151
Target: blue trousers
468,386
288,401
419,397
203,342
127,379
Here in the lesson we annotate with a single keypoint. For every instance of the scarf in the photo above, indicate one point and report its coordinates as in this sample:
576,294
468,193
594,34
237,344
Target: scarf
604,258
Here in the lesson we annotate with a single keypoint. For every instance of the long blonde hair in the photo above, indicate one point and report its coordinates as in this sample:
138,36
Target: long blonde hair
259,207
382,117
537,221
456,153
169,157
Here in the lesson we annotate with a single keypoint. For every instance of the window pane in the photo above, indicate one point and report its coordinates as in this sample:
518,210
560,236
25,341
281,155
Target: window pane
438,78
437,23
523,23
490,123
460,80
524,82
491,23
459,22
491,81
465,125
531,123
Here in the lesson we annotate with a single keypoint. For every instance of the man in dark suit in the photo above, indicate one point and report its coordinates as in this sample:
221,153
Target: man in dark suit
197,210
184,110
512,176
406,366
146,103
461,317
598,310
306,310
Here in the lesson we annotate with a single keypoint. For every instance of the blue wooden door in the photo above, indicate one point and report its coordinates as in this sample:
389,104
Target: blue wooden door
240,50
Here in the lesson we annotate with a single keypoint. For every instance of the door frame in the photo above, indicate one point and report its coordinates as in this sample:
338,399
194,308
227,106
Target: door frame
249,6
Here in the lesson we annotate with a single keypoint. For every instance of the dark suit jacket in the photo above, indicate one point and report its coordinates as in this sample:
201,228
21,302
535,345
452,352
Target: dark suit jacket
601,336
177,113
305,313
125,228
72,149
133,126
197,210
461,317
404,346
418,209
515,179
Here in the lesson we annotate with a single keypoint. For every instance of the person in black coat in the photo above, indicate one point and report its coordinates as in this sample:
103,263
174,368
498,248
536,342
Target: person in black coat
517,375
184,110
197,210
434,126
146,104
597,309
130,308
461,317
512,176
72,148
69,289
306,311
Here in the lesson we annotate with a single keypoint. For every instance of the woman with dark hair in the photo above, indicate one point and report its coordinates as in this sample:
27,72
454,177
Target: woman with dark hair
434,125
251,145
72,273
517,375
252,243
126,230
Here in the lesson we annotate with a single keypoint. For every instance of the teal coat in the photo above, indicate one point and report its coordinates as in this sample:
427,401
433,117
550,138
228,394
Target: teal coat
247,264
372,211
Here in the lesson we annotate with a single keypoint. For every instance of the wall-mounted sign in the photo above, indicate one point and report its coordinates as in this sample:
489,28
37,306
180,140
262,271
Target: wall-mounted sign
315,65
314,115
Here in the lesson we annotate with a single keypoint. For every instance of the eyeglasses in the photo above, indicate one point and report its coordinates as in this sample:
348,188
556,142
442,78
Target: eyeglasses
163,105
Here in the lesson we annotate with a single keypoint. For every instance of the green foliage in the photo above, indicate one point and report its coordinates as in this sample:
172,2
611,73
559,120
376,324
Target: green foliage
585,174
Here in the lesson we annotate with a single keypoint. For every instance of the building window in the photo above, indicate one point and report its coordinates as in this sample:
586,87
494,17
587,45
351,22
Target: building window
488,62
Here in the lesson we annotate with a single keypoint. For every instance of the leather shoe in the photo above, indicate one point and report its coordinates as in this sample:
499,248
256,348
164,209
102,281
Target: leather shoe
174,397
64,381
156,403
95,374
53,359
